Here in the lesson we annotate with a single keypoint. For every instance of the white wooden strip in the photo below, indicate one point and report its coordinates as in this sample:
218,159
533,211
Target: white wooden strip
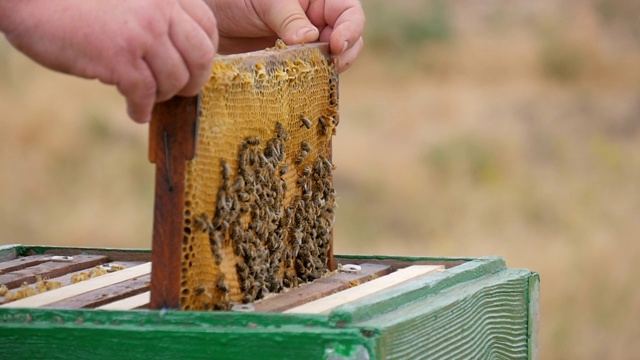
128,303
81,287
328,303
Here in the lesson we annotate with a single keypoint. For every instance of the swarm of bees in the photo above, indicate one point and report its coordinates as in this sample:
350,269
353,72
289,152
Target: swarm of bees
281,243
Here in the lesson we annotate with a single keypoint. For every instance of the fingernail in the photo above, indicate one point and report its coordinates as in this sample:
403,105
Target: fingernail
306,31
344,46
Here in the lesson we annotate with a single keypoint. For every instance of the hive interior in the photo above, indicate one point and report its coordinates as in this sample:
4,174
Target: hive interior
259,194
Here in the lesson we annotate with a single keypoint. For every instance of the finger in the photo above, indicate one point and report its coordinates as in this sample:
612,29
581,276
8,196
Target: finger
137,84
288,20
202,14
346,59
347,20
196,50
168,68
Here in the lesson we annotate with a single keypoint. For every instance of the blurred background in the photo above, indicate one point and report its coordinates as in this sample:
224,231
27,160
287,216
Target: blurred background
493,127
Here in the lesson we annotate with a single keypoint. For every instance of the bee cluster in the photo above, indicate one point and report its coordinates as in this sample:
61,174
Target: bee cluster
281,236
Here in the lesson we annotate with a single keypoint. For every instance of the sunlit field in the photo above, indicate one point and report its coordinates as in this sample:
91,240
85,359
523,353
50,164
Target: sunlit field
506,128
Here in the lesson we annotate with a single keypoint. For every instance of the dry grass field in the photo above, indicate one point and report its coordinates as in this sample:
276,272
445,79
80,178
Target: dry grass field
499,127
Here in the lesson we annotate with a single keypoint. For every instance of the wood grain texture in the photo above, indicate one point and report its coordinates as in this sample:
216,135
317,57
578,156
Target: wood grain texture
398,262
386,301
172,141
22,263
140,255
66,279
319,288
66,292
328,303
482,319
105,295
149,334
476,310
130,303
50,269
534,315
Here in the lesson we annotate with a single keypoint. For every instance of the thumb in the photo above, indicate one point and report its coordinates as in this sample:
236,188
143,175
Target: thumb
289,21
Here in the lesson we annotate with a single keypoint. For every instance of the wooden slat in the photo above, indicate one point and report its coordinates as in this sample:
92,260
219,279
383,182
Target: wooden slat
106,294
172,142
50,270
52,296
130,303
114,255
65,279
319,288
22,263
401,262
326,304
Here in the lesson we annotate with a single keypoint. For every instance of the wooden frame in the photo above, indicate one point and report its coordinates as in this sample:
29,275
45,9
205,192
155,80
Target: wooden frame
172,141
173,138
475,308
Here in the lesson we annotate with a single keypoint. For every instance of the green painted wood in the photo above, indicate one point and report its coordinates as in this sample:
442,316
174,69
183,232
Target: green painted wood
397,262
389,300
114,254
475,309
483,319
9,252
534,315
86,334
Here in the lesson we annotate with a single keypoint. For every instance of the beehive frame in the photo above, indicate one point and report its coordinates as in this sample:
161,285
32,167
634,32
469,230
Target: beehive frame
244,194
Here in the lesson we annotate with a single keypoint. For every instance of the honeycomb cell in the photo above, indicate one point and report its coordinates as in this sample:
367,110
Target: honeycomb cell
259,205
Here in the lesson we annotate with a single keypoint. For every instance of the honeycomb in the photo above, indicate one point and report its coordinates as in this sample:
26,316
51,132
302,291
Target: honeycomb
259,196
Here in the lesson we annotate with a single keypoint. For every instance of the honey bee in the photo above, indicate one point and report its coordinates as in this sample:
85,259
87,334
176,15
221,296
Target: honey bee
305,146
203,222
252,141
301,156
199,290
221,284
215,238
305,122
243,196
306,171
281,132
223,305
226,170
243,270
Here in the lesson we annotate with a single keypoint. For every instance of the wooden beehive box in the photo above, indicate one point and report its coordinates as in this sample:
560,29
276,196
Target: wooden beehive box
474,309
243,239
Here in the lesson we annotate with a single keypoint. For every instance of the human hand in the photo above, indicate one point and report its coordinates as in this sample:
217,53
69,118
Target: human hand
255,24
150,50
